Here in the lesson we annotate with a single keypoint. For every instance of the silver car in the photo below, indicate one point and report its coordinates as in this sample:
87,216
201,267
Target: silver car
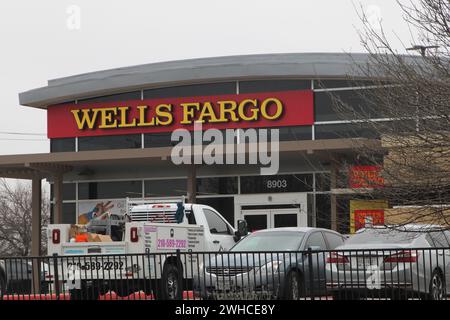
396,263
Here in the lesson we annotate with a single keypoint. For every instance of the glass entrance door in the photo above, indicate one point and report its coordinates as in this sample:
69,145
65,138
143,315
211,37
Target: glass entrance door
272,218
256,219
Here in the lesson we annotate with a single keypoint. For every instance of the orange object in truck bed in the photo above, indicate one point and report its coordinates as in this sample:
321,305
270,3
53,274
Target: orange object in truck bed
81,237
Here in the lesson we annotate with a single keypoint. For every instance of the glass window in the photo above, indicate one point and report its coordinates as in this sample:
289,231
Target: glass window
209,89
165,188
273,85
69,214
215,223
130,141
270,241
317,241
295,133
439,239
256,222
333,240
323,211
219,185
277,183
223,205
447,234
345,131
357,105
158,140
109,190
136,95
322,182
62,145
285,220
69,191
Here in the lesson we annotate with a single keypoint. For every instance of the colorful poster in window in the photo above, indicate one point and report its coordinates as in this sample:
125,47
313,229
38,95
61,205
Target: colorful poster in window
365,177
366,212
87,210
368,218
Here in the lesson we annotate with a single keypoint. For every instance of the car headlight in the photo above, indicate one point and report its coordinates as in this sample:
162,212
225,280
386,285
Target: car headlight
271,267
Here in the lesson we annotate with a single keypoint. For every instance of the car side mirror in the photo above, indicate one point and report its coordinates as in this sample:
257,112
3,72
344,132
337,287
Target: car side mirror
241,230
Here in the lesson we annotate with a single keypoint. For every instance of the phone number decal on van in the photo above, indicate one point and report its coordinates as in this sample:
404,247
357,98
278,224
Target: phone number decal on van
172,244
106,265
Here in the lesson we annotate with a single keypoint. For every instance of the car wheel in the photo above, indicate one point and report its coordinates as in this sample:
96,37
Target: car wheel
171,286
293,286
436,289
75,294
2,285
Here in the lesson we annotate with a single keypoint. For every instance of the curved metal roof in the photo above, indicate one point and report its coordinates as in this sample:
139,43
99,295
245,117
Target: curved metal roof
164,74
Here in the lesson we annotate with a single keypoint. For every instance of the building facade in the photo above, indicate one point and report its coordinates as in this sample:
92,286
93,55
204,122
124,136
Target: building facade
99,165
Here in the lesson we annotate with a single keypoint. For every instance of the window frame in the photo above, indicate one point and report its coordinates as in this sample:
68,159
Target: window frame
229,229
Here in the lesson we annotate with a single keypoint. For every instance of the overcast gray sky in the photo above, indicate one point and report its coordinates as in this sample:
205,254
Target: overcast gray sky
37,44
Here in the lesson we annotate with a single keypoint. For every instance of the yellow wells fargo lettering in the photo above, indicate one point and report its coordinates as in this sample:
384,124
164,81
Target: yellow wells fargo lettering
163,114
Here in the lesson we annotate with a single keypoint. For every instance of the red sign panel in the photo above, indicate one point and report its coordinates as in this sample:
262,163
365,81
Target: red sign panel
365,177
272,109
368,218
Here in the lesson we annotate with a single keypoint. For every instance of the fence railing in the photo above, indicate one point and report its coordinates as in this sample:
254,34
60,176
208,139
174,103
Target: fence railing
303,275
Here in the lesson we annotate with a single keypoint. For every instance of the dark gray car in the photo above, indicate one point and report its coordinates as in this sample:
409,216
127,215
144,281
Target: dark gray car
268,264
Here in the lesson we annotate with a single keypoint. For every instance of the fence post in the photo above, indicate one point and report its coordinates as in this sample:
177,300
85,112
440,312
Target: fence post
311,273
180,273
56,277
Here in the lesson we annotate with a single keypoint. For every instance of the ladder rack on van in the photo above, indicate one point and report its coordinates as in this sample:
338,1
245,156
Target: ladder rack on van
130,203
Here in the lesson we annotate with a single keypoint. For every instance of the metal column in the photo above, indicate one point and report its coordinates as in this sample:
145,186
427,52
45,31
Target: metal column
192,184
36,228
58,199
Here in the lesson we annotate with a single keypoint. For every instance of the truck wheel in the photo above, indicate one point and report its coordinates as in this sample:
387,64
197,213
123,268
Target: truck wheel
171,286
88,293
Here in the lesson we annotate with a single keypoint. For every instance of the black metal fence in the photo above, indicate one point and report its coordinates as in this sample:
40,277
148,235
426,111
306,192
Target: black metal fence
350,274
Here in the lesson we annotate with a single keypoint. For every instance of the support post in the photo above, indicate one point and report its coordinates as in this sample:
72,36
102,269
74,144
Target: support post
36,193
192,184
58,199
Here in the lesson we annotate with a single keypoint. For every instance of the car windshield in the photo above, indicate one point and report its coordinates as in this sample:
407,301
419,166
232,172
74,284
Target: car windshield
270,241
380,236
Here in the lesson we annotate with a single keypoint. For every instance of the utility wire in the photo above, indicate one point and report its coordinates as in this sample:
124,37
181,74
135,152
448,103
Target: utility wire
23,133
15,139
